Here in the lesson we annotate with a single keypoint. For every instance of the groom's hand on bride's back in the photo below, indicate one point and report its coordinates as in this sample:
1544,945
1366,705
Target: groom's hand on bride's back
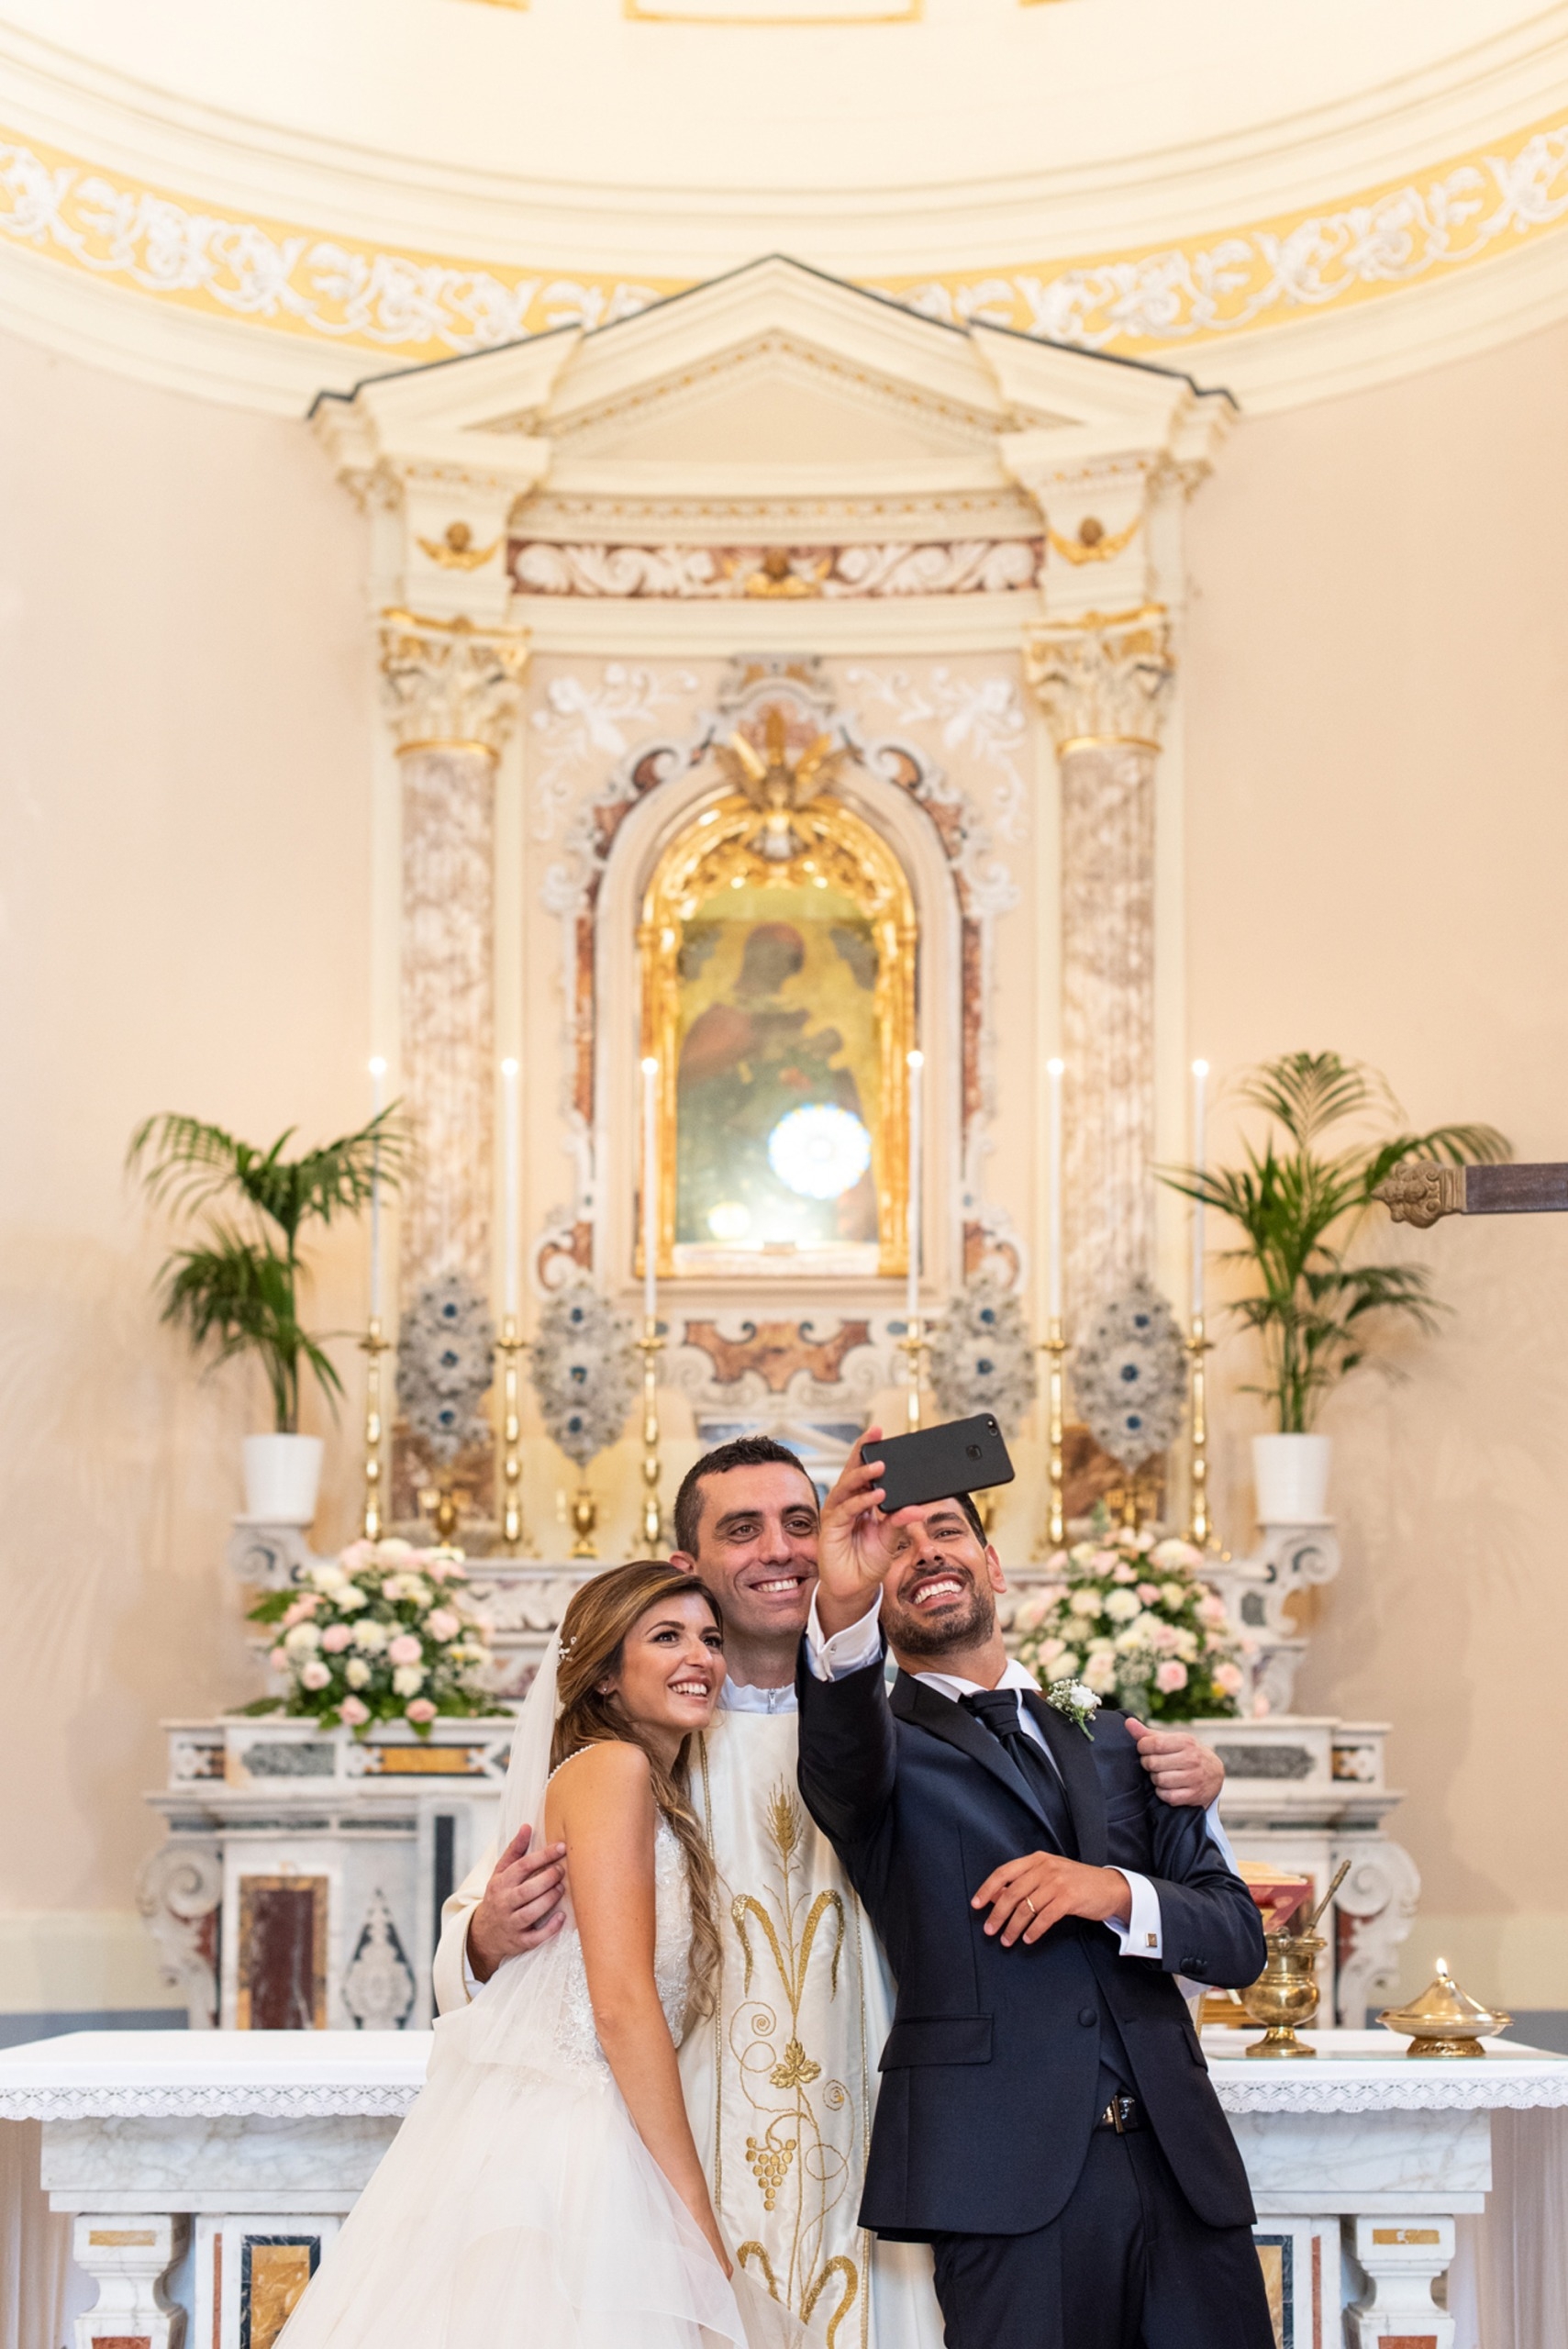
521,1907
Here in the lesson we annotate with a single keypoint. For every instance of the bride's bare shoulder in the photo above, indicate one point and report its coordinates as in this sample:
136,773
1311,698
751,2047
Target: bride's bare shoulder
611,1776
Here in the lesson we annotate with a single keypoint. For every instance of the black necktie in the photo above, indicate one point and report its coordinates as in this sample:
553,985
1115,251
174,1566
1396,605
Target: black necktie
997,1711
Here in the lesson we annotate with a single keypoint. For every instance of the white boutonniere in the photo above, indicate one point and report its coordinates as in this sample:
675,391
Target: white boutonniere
1078,1703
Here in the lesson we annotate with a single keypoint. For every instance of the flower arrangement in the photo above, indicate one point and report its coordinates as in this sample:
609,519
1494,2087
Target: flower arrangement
380,1635
1134,1622
980,1356
584,1370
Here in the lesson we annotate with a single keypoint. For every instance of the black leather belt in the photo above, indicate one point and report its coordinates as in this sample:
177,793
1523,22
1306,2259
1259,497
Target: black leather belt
1122,2113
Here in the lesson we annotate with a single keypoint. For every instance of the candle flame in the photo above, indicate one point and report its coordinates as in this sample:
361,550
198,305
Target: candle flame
917,1060
1055,1068
1200,1068
378,1067
650,1066
508,1068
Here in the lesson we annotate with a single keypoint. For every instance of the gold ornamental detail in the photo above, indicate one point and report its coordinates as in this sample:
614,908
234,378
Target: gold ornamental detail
450,686
1105,678
1421,1194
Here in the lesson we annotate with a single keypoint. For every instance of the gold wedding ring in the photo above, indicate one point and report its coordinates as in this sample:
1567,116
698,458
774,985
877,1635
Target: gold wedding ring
1028,1903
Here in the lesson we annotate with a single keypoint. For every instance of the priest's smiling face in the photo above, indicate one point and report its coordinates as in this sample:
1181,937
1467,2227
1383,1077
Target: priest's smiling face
757,1553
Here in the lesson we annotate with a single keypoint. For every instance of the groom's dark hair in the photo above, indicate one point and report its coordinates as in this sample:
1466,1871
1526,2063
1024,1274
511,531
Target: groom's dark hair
742,1451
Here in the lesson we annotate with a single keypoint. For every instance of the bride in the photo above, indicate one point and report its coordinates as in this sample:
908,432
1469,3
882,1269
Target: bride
545,2188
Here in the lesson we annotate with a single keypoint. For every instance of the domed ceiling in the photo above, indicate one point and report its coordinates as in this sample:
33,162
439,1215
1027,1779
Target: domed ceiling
283,194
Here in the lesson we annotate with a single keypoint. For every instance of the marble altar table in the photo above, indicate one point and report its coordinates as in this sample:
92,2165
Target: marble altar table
206,2173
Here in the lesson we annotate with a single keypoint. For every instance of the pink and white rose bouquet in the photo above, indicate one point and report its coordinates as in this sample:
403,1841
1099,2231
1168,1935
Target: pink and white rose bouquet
382,1634
1133,1620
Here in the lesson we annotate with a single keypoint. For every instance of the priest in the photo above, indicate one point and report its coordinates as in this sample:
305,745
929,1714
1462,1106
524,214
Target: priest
781,2080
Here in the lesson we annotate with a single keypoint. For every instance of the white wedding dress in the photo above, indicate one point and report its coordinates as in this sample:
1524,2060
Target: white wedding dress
517,2208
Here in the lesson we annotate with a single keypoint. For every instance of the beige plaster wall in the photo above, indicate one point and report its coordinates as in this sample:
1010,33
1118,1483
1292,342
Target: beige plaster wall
183,924
1378,832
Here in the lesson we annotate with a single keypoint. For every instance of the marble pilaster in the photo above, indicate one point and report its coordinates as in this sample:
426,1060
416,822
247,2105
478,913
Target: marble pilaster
1104,683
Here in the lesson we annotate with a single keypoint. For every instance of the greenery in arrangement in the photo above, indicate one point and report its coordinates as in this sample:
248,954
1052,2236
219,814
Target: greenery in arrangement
239,1285
1133,1621
1300,1206
381,1634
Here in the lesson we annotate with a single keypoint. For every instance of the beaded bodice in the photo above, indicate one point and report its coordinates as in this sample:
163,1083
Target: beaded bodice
575,2035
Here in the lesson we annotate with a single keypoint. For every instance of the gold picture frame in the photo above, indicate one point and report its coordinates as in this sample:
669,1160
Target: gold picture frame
832,848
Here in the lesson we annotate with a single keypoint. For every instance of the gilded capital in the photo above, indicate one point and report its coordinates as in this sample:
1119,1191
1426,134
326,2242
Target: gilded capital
1421,1193
1106,678
448,684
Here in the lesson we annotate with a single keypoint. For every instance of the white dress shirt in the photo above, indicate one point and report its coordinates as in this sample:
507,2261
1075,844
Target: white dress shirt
1142,1934
740,1696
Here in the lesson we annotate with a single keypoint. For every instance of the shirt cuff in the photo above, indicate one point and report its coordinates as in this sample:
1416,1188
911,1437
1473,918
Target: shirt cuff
1143,1936
1218,1838
469,1979
848,1651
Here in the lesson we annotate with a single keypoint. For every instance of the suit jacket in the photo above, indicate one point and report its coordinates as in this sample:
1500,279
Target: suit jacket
990,2072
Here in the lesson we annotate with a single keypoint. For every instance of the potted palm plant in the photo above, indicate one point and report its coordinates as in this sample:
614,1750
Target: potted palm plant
1300,1206
237,1286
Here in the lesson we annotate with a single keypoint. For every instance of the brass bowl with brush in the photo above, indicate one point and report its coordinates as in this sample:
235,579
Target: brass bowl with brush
1285,1995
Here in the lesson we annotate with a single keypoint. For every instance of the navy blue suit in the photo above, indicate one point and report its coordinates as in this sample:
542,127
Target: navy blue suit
995,2069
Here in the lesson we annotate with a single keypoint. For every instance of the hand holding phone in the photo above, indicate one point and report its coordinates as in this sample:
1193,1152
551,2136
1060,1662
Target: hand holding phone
933,1463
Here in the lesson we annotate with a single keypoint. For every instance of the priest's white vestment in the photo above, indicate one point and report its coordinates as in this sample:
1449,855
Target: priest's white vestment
781,2080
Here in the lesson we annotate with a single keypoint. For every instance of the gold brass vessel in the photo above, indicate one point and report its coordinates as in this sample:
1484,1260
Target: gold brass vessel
1444,2021
1285,1993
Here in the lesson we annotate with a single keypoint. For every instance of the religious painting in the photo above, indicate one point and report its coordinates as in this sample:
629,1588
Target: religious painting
778,999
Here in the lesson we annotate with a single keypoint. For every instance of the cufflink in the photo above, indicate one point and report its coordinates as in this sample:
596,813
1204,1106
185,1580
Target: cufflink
1151,1941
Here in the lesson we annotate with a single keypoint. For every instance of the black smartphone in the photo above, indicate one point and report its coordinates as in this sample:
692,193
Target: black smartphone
932,1463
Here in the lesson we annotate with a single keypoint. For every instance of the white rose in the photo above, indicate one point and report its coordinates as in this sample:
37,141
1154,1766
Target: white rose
357,1673
315,1676
1175,1594
408,1679
328,1577
1122,1606
370,1638
1100,1675
1032,1613
350,1600
1084,1602
303,1639
1131,1640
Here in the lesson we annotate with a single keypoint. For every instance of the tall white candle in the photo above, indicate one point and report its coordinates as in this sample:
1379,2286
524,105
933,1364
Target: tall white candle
1200,1085
378,1102
912,1291
511,1207
1054,1071
650,1190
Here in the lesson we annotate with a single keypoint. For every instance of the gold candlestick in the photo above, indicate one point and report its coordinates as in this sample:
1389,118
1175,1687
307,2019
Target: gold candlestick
650,1345
510,1347
1200,1528
1055,1351
371,1524
912,1345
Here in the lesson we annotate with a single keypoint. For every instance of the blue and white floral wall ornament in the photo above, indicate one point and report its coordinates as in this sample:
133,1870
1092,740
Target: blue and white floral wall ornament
1129,1375
584,1370
446,1359
981,1356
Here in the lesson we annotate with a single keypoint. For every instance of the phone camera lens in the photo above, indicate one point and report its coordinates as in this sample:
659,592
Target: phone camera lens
973,1451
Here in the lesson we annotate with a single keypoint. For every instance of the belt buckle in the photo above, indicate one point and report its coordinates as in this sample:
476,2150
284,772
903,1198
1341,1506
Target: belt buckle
1116,2113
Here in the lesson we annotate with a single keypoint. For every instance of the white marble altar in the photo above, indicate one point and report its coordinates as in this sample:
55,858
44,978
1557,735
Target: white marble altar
206,2175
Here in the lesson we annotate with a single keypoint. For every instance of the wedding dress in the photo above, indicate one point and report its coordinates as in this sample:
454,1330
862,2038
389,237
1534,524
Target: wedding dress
517,2208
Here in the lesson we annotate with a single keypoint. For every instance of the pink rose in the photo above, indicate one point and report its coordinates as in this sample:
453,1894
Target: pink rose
1228,1678
1124,1571
404,1649
336,1638
353,1713
1171,1676
357,1555
444,1624
437,1569
1149,1592
298,1608
279,1659
421,1709
314,1675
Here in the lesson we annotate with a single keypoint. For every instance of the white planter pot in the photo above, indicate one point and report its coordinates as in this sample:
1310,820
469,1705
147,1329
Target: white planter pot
1291,1476
283,1476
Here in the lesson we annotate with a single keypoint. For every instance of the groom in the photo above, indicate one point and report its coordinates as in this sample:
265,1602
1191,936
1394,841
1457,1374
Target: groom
1046,2120
746,1519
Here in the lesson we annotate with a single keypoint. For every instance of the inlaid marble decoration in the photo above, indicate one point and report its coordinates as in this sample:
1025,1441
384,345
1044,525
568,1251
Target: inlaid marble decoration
449,1021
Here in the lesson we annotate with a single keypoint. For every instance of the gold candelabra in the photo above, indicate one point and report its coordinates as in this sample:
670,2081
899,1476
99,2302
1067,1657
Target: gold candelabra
509,1346
1055,1351
371,1519
912,1345
650,1345
1200,1528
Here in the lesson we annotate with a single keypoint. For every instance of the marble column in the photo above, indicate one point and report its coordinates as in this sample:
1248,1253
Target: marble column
452,692
1103,682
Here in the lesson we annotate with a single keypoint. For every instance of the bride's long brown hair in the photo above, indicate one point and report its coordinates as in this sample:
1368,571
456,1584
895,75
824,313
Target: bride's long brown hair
593,1639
